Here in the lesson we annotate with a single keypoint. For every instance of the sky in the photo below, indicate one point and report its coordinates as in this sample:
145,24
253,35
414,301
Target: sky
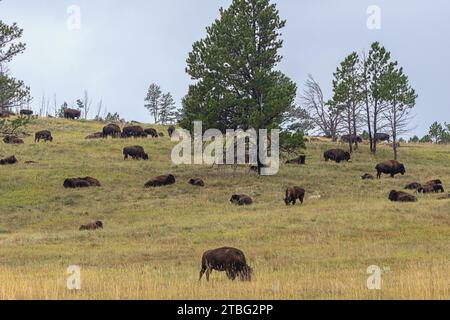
121,47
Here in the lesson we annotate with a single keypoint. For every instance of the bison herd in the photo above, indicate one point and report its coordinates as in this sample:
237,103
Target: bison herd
229,260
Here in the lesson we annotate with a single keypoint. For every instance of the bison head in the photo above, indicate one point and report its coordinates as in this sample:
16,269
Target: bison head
235,198
347,156
145,156
402,169
99,224
393,196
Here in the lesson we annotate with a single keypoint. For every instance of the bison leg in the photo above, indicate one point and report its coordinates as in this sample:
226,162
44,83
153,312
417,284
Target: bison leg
202,272
301,198
208,273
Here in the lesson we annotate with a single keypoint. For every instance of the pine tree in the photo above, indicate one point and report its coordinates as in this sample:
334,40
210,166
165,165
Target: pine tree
153,100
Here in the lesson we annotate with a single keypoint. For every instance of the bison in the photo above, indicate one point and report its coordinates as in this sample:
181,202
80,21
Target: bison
294,193
24,112
133,131
230,260
300,160
367,176
81,183
351,138
413,186
241,200
72,113
161,181
152,132
93,136
43,135
12,140
136,152
112,130
400,196
430,188
337,155
437,181
391,167
171,130
197,182
382,137
92,226
9,160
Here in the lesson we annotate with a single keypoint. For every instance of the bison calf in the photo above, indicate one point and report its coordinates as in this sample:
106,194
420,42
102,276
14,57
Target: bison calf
43,135
293,194
136,152
161,181
367,176
92,226
229,260
241,200
401,196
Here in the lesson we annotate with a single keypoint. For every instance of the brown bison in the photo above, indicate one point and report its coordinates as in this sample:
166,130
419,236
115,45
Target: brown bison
401,196
93,136
367,176
72,113
81,183
112,130
300,160
161,181
230,260
380,137
171,130
92,226
133,131
241,200
161,135
351,138
391,167
337,155
12,140
9,160
24,112
413,186
197,182
431,188
293,194
152,132
43,135
136,152
437,181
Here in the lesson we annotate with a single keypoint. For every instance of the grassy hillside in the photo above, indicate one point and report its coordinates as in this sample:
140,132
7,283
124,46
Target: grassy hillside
153,240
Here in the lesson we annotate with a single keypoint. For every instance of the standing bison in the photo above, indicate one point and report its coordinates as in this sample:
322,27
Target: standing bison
92,226
380,137
43,135
391,167
24,112
293,194
230,260
171,130
351,138
72,113
133,131
152,132
112,130
337,155
136,152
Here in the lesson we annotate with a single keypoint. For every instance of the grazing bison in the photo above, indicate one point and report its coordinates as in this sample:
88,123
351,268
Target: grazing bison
43,135
382,137
9,160
391,167
92,226
400,196
112,130
294,193
300,160
26,112
81,183
133,131
351,138
72,113
12,140
136,152
337,155
152,132
367,176
93,136
197,182
413,186
230,260
161,181
431,188
171,130
241,200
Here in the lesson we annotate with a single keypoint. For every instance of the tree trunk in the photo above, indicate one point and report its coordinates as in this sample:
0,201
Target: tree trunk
375,120
354,126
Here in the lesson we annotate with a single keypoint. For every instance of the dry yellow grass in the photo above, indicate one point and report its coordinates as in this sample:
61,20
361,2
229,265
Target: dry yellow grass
153,239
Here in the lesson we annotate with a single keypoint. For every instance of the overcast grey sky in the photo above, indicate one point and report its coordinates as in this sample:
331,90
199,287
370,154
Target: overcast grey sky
123,46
